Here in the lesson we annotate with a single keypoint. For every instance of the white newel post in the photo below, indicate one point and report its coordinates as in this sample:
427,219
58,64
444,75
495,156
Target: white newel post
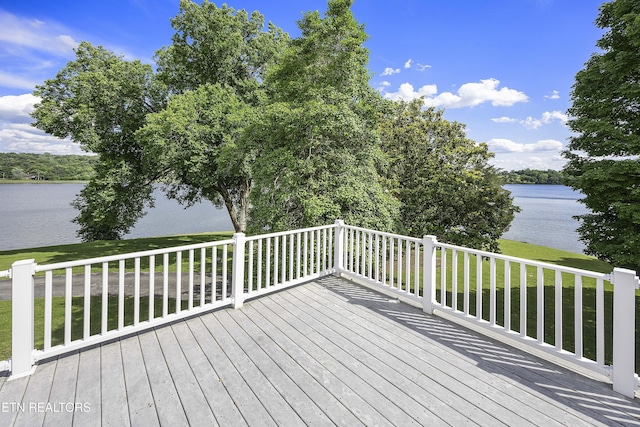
22,318
338,254
429,273
237,270
624,309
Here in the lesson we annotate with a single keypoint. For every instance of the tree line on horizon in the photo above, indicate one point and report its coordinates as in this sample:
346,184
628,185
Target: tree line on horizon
534,176
73,167
46,167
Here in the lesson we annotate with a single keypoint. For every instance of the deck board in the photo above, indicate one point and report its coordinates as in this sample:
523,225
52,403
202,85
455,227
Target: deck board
167,403
274,403
193,401
328,352
248,404
214,392
451,377
378,408
142,409
306,409
457,403
37,391
88,388
249,320
115,407
12,394
409,398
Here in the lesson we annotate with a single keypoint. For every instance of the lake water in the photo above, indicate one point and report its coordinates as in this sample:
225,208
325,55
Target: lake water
33,215
547,216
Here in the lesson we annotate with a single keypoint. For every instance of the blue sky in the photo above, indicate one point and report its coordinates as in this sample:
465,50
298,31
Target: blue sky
502,67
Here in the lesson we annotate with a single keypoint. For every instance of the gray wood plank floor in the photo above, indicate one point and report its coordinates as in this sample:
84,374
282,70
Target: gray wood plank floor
325,353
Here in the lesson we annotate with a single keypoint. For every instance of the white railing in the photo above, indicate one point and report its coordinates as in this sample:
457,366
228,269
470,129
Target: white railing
278,260
90,301
567,304
390,261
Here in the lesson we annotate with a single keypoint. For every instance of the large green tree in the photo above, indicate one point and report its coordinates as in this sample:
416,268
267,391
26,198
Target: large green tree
99,100
318,145
603,153
443,180
195,139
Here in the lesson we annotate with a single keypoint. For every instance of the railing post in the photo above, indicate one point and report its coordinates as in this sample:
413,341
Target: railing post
237,270
429,273
338,247
624,336
22,318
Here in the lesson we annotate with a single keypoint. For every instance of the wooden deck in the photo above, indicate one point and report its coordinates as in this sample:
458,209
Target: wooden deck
324,353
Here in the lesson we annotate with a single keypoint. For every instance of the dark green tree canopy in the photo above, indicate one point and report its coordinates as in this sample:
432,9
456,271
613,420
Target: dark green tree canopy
443,180
195,139
242,116
318,148
603,154
101,101
219,45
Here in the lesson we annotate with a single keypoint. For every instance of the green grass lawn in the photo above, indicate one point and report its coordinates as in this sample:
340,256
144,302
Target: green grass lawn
54,254
101,248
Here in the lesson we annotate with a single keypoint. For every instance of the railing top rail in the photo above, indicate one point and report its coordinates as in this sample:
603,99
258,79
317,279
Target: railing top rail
564,269
286,233
382,233
131,255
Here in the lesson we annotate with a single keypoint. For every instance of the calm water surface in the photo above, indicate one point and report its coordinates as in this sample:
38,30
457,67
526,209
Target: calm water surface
33,215
547,216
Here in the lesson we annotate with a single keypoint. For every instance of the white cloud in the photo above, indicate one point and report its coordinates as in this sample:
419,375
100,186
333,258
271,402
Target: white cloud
422,67
504,120
23,138
16,81
554,95
406,92
408,63
531,123
382,85
468,95
390,71
18,136
500,145
17,108
547,117
36,35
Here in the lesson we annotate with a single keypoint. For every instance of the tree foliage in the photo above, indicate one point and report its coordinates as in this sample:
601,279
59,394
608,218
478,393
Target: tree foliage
195,139
603,154
242,116
319,149
443,180
99,100
219,45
